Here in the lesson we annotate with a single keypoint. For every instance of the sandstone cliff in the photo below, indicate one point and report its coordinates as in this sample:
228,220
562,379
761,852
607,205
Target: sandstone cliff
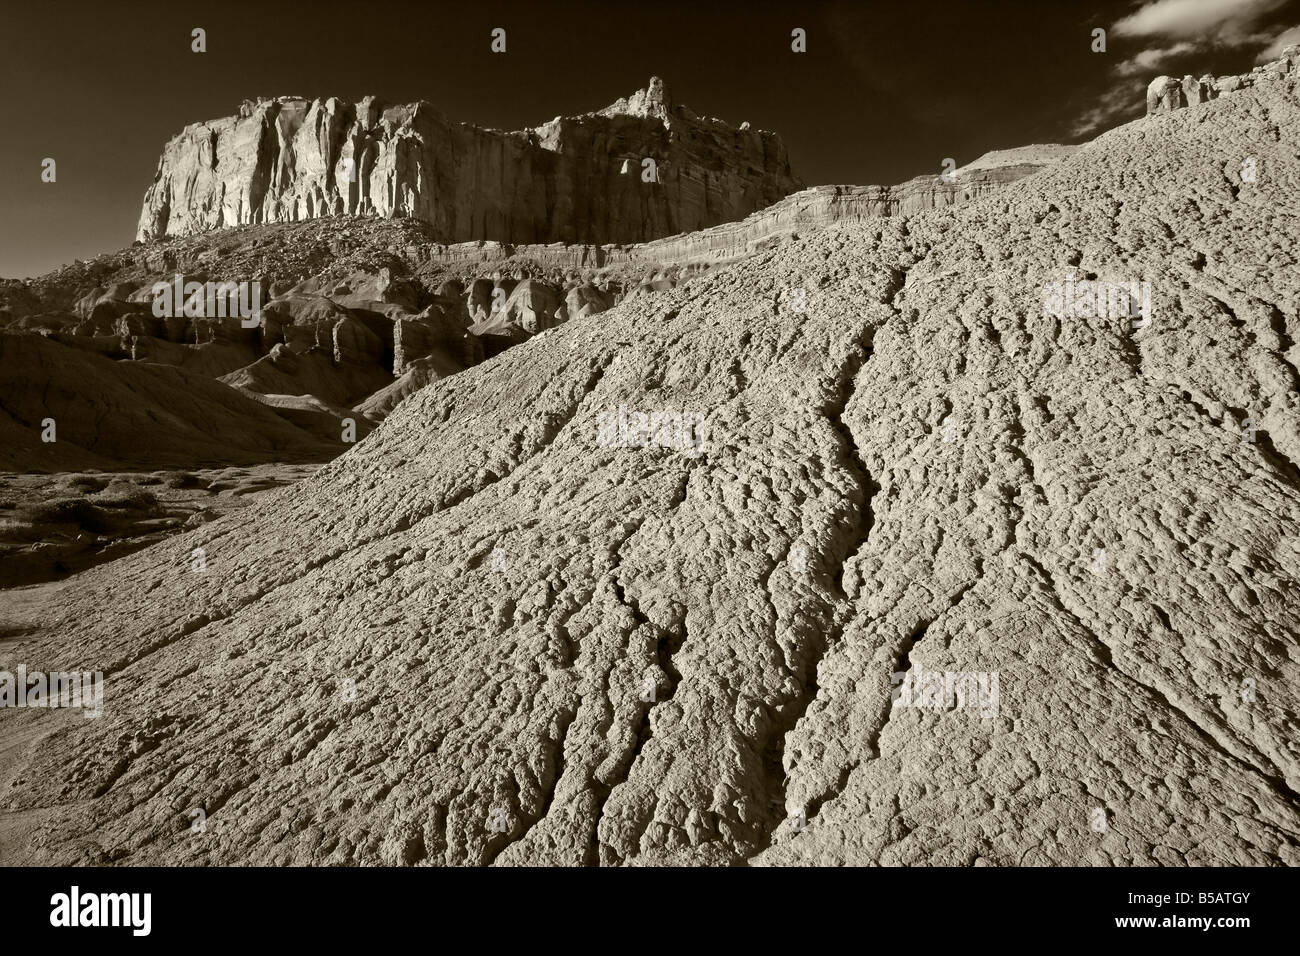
574,179
808,208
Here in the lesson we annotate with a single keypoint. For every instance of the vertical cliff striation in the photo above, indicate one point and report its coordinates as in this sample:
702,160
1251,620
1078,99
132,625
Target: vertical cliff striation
574,179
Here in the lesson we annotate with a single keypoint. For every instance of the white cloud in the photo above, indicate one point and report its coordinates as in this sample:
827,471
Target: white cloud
1225,21
1147,63
1177,28
1121,103
1274,49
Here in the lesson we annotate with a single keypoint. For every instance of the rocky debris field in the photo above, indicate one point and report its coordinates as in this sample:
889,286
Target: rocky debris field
344,328
53,526
867,549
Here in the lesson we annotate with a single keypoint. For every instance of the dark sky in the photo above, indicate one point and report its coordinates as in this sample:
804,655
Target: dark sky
886,91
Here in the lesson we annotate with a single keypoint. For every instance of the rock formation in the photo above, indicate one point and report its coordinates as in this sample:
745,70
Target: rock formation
827,205
575,179
858,551
1167,93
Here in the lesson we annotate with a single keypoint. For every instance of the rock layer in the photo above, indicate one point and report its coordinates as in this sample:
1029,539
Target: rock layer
803,210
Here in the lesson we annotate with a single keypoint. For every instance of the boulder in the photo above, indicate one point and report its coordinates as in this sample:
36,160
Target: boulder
532,305
1164,94
586,299
355,342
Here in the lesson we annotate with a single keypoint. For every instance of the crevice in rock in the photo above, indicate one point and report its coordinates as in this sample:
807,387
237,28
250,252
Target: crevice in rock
1278,461
815,805
902,667
1275,781
1285,342
557,773
602,791
856,465
668,642
773,748
1281,464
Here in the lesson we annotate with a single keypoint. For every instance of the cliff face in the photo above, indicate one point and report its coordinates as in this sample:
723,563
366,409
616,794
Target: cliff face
802,210
1168,93
574,179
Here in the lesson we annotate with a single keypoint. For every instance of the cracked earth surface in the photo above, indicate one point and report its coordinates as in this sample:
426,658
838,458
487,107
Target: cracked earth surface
563,652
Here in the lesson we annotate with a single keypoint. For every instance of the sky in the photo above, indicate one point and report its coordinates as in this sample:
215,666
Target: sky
884,92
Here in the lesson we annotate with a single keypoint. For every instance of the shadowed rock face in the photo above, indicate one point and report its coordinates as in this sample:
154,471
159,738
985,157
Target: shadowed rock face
574,179
110,414
502,630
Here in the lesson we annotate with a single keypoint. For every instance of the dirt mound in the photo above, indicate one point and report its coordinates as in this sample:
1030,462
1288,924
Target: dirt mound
285,372
108,414
421,372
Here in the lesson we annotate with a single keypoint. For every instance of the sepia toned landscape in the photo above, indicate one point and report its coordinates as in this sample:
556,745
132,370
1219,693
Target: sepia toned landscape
603,493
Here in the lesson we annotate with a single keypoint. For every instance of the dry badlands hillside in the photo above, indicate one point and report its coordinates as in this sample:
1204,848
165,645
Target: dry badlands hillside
505,629
434,255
